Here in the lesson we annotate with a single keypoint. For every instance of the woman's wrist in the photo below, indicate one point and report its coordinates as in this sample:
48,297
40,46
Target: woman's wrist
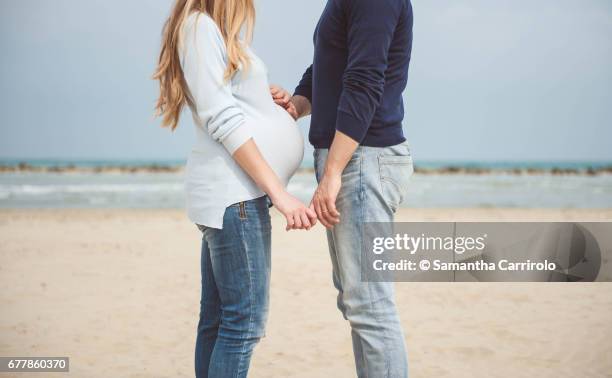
276,194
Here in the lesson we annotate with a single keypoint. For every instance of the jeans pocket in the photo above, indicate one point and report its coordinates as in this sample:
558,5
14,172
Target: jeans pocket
395,173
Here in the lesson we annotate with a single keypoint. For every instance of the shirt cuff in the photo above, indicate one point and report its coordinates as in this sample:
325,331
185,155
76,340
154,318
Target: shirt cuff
351,126
304,91
239,136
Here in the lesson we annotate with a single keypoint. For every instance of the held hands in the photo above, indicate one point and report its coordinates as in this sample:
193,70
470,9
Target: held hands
282,98
323,204
298,216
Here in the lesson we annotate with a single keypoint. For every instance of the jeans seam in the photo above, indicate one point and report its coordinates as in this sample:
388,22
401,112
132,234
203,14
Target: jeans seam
361,186
381,180
362,195
372,307
250,329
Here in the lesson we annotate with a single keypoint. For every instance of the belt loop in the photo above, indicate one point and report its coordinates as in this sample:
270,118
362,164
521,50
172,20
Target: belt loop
242,207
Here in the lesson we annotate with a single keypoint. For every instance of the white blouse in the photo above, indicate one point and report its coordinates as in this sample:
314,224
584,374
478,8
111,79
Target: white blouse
226,115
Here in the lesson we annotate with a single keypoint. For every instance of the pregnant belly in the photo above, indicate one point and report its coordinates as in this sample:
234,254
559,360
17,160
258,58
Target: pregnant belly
280,141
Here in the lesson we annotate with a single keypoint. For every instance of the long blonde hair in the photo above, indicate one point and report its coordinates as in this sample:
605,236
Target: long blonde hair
232,17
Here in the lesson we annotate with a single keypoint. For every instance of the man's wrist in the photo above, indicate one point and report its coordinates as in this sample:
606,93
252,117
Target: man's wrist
340,154
333,170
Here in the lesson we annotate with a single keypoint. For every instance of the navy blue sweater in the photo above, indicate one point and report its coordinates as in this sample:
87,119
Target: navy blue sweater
359,71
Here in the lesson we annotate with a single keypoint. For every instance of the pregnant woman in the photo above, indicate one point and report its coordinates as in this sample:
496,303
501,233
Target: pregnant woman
247,148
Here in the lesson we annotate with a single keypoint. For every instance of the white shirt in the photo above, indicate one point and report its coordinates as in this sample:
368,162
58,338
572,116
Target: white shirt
226,115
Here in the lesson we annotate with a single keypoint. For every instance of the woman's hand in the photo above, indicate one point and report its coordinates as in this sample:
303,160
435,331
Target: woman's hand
282,98
298,216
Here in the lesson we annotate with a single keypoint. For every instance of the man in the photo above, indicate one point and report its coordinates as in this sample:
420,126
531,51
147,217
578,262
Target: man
354,90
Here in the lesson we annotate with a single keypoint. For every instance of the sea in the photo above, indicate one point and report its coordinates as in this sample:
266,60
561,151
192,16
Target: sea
498,188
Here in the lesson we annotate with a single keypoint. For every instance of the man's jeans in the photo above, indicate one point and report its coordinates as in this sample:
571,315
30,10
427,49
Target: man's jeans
235,290
373,186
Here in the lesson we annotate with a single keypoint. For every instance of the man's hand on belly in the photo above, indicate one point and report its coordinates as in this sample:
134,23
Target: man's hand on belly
282,98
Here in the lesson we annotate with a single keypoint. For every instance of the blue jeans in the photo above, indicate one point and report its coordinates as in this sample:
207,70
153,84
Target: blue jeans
235,290
373,186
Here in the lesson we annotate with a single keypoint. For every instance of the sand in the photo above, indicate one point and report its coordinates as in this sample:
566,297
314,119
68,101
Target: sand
117,291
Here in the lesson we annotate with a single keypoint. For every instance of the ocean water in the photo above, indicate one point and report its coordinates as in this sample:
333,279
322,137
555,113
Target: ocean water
165,190
308,163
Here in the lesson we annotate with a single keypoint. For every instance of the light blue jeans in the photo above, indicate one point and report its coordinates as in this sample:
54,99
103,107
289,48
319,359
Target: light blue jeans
373,186
235,290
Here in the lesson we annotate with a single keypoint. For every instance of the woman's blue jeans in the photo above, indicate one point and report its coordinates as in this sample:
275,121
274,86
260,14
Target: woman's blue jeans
235,290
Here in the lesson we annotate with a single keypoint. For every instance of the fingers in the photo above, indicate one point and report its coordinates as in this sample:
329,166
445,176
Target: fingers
290,222
329,213
281,97
320,212
301,219
312,215
274,90
298,220
281,102
292,110
333,212
285,96
305,221
326,211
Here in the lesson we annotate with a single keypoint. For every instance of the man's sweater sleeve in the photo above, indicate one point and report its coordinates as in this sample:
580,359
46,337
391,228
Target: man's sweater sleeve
305,86
370,28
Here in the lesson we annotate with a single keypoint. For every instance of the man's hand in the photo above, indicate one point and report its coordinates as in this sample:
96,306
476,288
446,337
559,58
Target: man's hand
282,98
324,200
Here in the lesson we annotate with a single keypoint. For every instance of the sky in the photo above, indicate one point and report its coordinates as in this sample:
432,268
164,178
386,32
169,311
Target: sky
504,80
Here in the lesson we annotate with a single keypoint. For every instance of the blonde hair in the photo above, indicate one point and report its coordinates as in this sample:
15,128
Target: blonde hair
232,17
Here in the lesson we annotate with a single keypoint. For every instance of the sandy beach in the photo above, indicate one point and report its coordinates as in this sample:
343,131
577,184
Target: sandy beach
118,290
